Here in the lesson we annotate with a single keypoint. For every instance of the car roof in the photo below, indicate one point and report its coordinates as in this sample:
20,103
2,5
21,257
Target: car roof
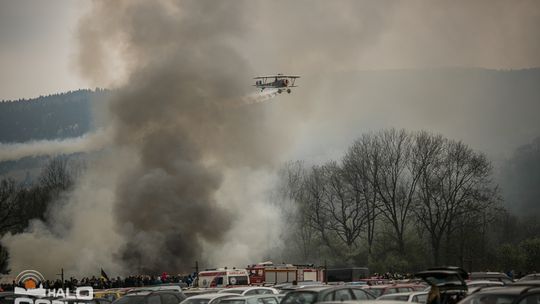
530,275
489,274
526,283
377,286
139,293
410,293
249,288
212,295
514,290
363,302
317,288
473,282
253,296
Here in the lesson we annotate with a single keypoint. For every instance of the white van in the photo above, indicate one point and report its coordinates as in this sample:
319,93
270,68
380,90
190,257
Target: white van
223,277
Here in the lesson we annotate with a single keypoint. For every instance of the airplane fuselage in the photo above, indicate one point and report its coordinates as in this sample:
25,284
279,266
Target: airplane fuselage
280,83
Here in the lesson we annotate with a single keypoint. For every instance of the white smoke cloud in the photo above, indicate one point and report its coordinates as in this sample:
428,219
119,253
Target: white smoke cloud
86,143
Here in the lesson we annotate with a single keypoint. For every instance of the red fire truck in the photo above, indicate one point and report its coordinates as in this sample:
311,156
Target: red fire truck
270,274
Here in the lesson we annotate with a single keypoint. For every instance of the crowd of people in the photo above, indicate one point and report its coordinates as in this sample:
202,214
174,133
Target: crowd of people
103,282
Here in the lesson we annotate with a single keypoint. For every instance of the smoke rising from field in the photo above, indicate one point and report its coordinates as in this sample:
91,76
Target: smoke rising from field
183,116
86,143
176,113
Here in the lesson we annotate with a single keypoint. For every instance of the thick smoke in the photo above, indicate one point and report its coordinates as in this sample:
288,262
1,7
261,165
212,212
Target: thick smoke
177,114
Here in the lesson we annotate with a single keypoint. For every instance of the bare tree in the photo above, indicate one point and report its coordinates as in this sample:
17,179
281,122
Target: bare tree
10,207
346,212
455,185
394,178
57,175
292,190
360,161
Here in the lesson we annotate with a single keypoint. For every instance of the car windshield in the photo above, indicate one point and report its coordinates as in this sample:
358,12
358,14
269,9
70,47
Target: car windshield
130,300
300,297
489,299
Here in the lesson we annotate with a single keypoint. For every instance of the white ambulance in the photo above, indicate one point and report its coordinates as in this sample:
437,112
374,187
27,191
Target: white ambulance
223,277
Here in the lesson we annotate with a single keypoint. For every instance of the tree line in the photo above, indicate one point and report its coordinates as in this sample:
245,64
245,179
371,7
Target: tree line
400,201
49,117
396,201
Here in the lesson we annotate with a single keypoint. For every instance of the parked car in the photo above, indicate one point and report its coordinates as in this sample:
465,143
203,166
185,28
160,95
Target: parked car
249,291
151,297
530,277
168,287
529,296
111,294
209,298
491,276
7,297
534,283
379,290
310,295
498,295
77,301
449,280
363,302
256,299
474,286
199,291
411,297
288,287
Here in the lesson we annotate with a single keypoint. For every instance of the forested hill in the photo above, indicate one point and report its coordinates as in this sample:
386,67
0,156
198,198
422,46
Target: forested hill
48,117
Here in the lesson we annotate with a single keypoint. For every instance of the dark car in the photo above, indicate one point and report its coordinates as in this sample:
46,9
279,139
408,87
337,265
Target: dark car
310,295
7,297
151,297
529,296
498,295
448,280
93,301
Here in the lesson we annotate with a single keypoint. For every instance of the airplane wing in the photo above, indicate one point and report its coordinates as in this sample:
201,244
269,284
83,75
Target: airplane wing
274,76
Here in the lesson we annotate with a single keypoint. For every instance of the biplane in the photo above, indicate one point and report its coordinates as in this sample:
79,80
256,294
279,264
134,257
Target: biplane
279,81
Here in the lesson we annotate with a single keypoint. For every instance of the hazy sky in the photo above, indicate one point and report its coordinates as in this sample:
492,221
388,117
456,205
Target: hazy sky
38,39
37,47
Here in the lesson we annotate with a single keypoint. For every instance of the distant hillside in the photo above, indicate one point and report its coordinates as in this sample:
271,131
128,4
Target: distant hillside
55,116
48,117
